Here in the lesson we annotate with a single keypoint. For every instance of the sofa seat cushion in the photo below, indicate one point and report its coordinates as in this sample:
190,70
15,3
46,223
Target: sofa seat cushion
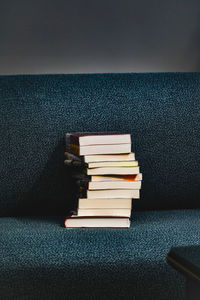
40,259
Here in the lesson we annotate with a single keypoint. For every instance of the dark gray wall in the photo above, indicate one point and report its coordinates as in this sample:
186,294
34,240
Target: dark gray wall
99,36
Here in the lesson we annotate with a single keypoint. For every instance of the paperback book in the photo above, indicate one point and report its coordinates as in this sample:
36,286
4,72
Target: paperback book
97,221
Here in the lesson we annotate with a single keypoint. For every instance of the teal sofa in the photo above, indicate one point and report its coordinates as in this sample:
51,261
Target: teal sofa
39,258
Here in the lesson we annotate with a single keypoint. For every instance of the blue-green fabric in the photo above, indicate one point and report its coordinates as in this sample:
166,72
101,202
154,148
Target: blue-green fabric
161,111
40,259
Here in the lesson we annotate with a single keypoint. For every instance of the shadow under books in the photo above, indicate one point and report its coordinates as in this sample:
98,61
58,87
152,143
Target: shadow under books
52,193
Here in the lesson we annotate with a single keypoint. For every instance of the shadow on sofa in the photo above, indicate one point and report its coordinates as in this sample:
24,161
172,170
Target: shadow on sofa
52,191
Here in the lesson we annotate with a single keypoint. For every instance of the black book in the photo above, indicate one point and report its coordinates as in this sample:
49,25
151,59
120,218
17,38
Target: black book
186,259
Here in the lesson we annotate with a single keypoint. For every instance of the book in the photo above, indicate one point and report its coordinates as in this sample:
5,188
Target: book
113,171
109,157
132,163
135,177
97,138
99,149
119,212
78,176
76,163
109,193
107,185
101,221
104,203
100,157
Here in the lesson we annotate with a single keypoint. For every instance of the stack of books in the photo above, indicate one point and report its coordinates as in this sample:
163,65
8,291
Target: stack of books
107,177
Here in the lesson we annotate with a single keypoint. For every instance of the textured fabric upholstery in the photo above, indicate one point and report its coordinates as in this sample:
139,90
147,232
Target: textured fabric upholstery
43,260
39,258
161,111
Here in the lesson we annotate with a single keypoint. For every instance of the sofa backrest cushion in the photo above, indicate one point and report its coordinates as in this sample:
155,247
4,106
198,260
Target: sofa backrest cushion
161,111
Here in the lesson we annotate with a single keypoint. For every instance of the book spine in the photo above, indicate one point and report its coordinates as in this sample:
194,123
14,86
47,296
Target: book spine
71,156
71,143
80,176
74,163
83,183
67,142
74,139
81,192
74,207
74,149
